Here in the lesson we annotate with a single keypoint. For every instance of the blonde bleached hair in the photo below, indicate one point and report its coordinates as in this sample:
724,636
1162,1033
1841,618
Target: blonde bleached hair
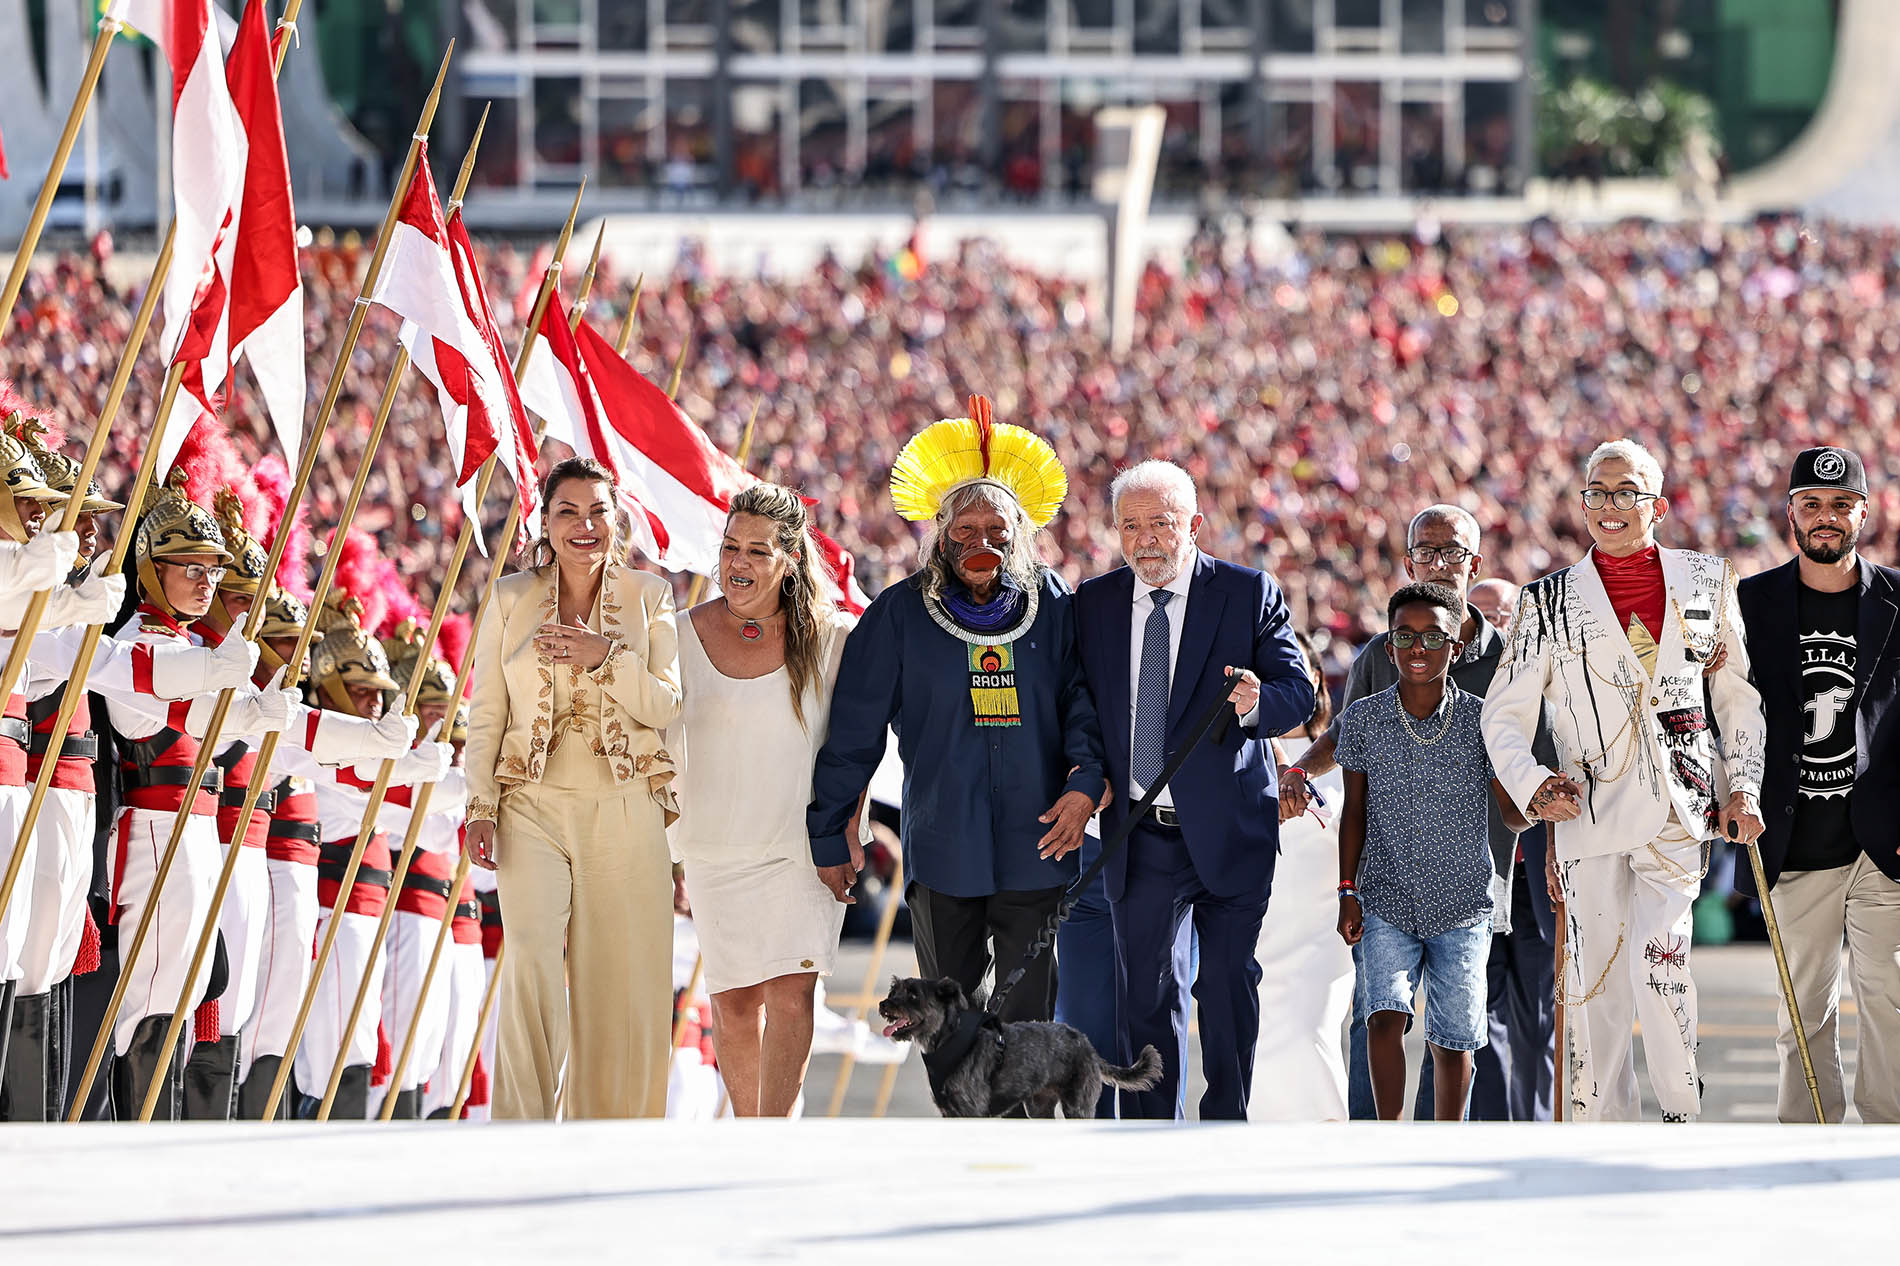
1642,463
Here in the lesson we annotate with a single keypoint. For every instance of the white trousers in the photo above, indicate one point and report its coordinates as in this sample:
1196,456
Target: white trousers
1628,917
245,922
467,977
289,943
406,957
490,1043
323,1035
158,977
14,920
1306,983
56,897
1818,912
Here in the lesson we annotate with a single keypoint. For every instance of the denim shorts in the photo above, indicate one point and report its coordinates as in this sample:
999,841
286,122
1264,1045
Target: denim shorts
1451,967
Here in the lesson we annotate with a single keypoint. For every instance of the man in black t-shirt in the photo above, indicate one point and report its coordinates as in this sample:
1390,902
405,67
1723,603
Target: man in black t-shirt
1819,634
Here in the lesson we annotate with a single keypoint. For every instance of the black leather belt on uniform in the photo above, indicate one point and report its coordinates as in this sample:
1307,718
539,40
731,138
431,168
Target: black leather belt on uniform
233,798
309,832
334,859
170,776
426,883
1163,815
17,729
469,910
76,746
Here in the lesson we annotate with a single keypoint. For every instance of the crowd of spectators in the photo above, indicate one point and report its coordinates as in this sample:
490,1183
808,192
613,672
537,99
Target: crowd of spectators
1318,397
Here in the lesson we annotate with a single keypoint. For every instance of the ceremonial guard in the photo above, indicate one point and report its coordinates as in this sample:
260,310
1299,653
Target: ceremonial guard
1612,652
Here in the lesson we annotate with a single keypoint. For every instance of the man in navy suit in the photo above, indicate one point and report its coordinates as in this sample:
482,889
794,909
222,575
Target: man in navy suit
1157,638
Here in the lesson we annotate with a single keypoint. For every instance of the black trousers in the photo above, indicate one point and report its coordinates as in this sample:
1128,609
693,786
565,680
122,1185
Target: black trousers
962,937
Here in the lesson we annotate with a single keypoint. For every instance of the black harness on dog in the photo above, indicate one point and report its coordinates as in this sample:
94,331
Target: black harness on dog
972,1027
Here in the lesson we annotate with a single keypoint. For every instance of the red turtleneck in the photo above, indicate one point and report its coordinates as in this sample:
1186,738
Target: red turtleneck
1635,586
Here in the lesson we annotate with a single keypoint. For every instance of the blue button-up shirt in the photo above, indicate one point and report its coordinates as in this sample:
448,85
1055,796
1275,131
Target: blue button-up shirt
972,794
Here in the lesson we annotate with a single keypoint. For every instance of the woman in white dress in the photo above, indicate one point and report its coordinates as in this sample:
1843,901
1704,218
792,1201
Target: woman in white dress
1299,1070
757,667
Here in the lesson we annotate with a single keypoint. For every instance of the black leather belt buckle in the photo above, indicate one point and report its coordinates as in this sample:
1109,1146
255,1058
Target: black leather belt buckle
1162,815
16,729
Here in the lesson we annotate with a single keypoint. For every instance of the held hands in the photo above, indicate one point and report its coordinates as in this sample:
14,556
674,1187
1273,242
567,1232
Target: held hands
1070,814
1557,799
1352,922
574,644
843,878
1294,796
1741,818
1246,692
480,843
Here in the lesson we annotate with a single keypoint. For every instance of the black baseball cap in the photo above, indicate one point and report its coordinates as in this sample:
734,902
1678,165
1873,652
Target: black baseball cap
1828,468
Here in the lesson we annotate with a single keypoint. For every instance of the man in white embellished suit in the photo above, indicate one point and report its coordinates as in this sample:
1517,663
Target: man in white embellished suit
1612,651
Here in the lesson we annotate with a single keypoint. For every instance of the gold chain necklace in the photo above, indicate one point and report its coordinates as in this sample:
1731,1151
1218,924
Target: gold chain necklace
1450,705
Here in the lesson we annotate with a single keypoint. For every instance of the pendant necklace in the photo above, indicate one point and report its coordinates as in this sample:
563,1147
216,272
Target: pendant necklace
749,629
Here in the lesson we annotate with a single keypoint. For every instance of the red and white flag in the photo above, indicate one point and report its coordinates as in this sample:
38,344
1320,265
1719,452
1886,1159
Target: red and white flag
250,303
429,279
207,148
558,389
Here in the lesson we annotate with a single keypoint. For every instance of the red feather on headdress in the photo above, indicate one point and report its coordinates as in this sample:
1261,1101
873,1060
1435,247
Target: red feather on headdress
11,402
271,478
452,643
398,603
356,576
985,419
209,462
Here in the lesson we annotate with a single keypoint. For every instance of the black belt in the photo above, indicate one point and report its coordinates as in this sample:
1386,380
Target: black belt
17,729
170,776
469,910
309,832
490,901
1164,815
76,746
427,883
233,798
334,859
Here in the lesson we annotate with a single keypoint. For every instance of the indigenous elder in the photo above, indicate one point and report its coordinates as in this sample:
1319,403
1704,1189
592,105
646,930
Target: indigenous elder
1514,1068
1612,652
570,794
1158,638
757,667
1820,629
973,661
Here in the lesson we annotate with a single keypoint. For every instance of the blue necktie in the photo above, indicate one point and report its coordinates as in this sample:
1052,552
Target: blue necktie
1151,696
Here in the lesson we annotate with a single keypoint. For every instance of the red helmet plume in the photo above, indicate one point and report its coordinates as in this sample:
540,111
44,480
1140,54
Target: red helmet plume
356,577
271,478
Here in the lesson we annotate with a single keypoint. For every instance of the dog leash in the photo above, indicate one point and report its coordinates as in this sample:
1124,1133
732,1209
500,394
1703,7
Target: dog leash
1218,714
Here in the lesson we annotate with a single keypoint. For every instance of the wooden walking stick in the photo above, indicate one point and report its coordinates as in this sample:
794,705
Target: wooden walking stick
1787,980
481,1027
306,464
887,919
380,787
420,808
632,318
62,151
267,749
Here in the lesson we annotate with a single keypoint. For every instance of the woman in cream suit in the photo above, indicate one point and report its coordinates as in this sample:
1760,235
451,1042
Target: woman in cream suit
758,665
569,800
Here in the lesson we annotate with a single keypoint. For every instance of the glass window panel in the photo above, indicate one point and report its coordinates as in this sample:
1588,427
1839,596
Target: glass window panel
624,124
689,147
957,24
1158,26
1023,25
557,12
622,25
755,25
1491,13
823,134
755,139
956,113
891,158
684,12
1240,167
1290,160
492,25
498,165
557,120
890,25
1488,147
1422,26
1223,18
1290,26
1422,164
1022,138
1356,137
1359,13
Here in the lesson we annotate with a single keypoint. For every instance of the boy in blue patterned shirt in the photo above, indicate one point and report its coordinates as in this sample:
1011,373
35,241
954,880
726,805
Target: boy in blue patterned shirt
1414,853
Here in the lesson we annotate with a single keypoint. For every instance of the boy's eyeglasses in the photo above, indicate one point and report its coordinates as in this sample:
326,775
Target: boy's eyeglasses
1622,498
1405,639
195,572
1432,555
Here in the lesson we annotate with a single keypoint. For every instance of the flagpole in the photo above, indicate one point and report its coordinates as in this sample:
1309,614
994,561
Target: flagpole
679,364
305,466
481,1027
631,320
62,153
587,278
419,810
267,751
419,806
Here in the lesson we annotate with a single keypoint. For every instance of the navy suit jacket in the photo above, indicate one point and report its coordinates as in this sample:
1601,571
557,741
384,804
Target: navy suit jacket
1225,794
1770,605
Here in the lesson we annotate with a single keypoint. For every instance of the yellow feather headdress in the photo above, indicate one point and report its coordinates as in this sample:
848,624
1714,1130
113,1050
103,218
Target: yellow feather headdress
948,454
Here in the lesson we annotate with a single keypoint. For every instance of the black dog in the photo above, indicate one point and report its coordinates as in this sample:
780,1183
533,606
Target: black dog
981,1066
